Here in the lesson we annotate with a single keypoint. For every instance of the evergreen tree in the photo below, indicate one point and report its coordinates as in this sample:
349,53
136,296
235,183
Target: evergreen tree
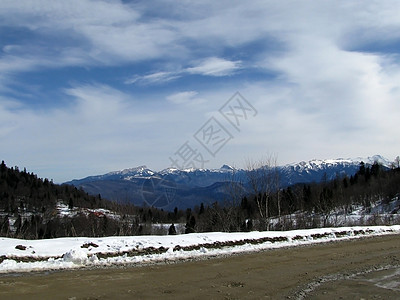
172,229
190,225
201,211
70,203
361,171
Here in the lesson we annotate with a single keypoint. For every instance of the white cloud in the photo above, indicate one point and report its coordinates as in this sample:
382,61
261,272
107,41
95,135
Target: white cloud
12,64
112,32
108,33
214,66
154,78
182,97
211,66
336,84
62,15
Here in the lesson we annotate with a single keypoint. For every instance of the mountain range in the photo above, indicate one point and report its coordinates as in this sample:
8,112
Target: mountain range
172,188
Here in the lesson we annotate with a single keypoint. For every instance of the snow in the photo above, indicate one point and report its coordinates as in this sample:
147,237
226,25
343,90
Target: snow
63,210
18,255
316,164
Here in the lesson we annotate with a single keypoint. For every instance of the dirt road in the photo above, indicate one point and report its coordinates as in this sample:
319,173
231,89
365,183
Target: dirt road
358,269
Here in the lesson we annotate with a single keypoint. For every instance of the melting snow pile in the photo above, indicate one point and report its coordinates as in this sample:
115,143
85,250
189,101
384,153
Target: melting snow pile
66,253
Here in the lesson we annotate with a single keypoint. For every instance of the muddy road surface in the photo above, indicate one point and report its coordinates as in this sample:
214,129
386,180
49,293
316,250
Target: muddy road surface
366,268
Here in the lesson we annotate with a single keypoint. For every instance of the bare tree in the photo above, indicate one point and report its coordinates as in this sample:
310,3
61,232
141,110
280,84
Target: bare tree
234,188
263,179
396,162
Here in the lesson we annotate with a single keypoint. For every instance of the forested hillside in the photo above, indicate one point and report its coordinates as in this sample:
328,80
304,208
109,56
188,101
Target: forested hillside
23,190
370,197
372,186
32,207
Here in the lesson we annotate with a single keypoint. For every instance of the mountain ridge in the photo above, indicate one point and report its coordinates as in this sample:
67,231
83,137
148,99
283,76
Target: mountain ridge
143,168
189,187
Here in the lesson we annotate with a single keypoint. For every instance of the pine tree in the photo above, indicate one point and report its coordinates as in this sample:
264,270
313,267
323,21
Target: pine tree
190,225
172,230
201,211
71,203
361,171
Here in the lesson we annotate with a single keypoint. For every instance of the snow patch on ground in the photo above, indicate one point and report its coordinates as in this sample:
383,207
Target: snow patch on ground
69,253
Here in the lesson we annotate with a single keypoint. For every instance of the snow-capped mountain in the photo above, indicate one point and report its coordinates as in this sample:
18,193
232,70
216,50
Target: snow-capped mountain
172,187
314,170
141,171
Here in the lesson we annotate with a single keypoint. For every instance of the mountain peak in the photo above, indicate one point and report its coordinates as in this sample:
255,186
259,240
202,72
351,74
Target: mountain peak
379,159
318,162
129,170
140,171
227,167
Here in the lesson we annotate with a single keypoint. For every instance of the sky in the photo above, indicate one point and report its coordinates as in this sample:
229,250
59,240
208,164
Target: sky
88,87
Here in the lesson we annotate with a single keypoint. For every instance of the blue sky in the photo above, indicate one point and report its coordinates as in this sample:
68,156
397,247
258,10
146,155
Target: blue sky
88,87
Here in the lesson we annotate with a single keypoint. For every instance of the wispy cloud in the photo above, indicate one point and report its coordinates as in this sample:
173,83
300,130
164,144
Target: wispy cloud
211,66
215,66
154,78
109,33
182,97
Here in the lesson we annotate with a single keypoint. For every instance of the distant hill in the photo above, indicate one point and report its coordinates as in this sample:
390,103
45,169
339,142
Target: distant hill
183,189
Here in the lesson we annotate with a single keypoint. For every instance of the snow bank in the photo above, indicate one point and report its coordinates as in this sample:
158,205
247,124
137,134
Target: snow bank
66,253
77,256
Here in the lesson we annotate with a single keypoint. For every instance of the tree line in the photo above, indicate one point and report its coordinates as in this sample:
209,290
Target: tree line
312,204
